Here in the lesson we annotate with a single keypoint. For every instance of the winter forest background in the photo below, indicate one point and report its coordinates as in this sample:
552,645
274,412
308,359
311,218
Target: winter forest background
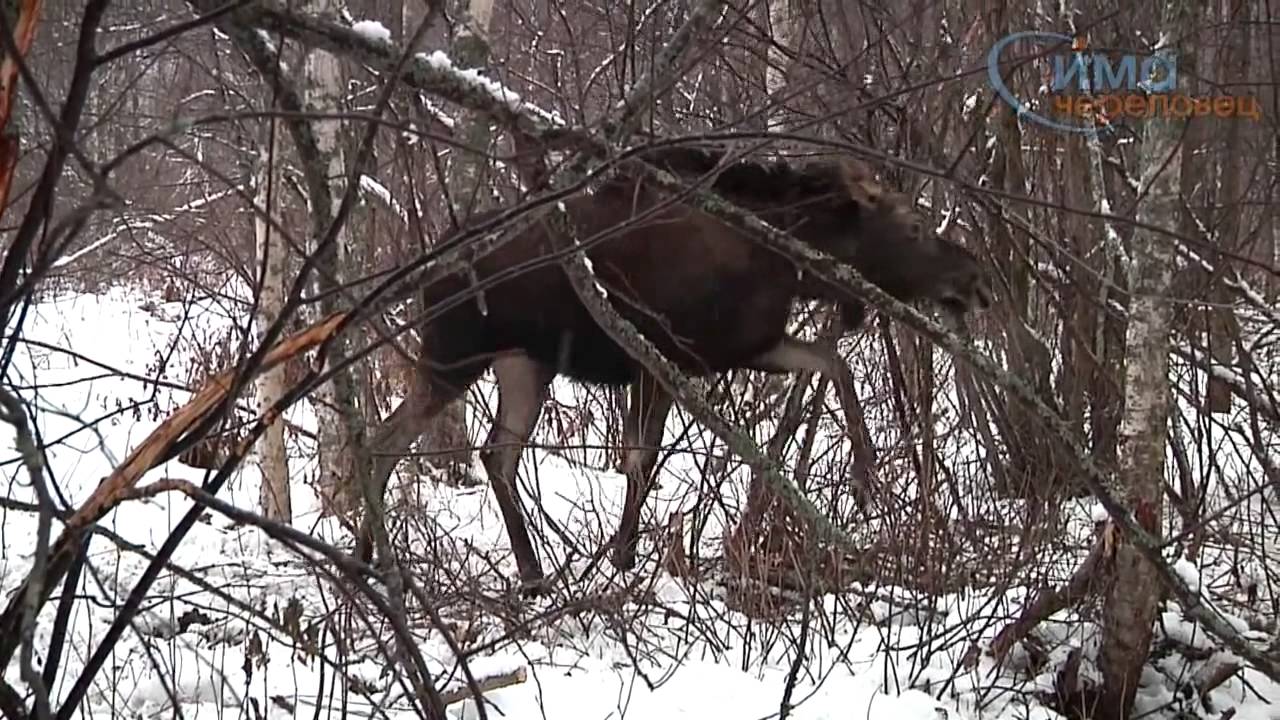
1076,509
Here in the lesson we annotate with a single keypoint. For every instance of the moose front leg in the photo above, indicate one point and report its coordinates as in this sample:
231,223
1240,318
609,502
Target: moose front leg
792,355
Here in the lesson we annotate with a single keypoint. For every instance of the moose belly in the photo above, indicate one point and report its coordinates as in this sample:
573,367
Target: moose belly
700,338
710,332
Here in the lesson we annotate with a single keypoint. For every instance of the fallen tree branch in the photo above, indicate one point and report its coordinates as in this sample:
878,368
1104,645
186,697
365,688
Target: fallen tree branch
1047,601
153,451
326,223
23,33
1216,677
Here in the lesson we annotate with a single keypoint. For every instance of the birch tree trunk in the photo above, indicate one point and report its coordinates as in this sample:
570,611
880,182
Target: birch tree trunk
341,450
469,176
272,251
446,444
1130,605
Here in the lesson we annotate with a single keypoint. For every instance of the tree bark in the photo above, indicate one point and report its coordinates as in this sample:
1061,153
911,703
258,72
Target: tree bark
1034,458
1104,324
446,444
469,177
1130,605
273,460
1232,62
340,447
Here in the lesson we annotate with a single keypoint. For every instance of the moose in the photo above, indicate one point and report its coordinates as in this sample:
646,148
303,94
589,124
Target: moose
707,295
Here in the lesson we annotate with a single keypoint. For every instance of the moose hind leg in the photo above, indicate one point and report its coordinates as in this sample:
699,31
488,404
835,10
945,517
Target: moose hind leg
647,413
522,388
391,440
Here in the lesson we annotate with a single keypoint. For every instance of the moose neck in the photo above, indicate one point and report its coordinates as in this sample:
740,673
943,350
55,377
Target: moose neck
810,287
814,288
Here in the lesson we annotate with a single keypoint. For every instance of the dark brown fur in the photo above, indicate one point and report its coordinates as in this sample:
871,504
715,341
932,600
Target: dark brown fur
708,296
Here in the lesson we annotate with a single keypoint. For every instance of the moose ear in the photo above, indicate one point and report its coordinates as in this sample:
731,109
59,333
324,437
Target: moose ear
860,183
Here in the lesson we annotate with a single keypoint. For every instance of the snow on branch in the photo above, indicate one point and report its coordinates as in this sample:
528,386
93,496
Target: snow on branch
708,12
369,43
438,114
372,30
374,187
147,223
441,62
1248,388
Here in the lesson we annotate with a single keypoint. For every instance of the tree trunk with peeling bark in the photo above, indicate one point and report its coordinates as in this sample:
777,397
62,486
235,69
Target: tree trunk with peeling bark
272,250
341,450
1131,601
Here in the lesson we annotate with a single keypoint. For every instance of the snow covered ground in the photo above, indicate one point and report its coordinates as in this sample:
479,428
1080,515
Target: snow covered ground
238,634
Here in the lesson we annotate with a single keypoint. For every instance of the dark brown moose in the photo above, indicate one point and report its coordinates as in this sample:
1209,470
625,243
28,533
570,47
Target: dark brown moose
707,295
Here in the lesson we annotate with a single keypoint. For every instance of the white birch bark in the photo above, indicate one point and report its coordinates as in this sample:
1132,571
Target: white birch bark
467,171
339,420
272,251
1131,601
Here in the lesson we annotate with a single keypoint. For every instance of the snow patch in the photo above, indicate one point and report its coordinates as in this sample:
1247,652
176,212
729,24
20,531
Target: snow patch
1189,573
372,30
